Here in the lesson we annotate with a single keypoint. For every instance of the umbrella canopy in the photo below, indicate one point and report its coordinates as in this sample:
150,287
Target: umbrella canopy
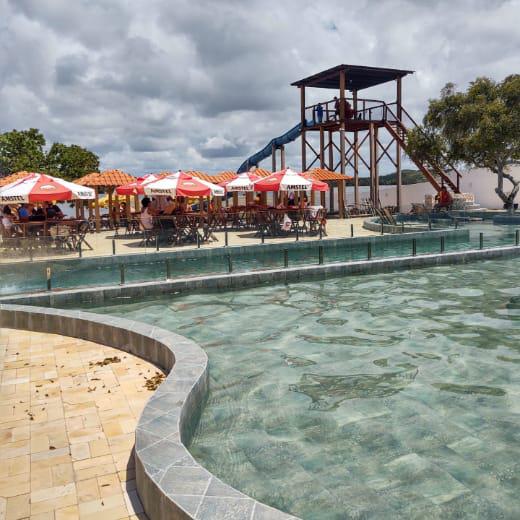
137,187
37,187
243,182
181,184
289,180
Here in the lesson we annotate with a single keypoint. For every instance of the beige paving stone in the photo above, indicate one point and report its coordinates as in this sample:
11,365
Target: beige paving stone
18,507
66,442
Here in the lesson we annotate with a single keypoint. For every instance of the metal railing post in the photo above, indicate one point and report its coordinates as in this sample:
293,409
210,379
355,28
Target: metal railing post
230,264
382,228
352,230
442,245
122,274
80,252
321,232
226,240
369,251
481,240
168,269
31,251
297,234
157,242
48,273
414,246
113,247
286,258
517,237
263,235
320,255
198,239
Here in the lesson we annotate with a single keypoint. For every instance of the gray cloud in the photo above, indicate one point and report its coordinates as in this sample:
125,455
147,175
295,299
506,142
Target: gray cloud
162,84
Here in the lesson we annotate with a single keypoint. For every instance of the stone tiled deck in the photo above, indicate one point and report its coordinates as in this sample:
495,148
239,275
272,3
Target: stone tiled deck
170,483
67,428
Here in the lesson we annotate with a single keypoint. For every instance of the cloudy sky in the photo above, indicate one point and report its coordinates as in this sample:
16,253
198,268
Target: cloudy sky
201,84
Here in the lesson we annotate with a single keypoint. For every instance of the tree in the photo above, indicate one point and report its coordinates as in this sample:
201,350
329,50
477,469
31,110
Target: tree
71,161
479,128
21,150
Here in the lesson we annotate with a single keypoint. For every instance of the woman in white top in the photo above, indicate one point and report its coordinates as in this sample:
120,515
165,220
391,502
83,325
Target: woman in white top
146,216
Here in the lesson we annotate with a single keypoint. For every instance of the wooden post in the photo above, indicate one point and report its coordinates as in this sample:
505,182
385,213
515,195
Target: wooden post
128,209
356,155
76,206
372,149
82,209
341,198
96,210
342,115
235,199
137,204
302,114
90,209
398,176
376,169
331,168
110,205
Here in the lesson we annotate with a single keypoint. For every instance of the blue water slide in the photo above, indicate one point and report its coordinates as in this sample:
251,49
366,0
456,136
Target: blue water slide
266,151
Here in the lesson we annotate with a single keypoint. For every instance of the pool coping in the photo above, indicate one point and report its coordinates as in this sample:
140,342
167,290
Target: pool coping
170,482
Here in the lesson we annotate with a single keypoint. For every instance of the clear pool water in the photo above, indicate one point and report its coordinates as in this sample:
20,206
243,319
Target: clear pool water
384,396
15,278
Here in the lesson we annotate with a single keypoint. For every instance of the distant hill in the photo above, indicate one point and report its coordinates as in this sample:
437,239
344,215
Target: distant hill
408,176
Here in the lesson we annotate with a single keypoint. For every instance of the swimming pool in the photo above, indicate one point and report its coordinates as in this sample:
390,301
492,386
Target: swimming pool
18,278
383,396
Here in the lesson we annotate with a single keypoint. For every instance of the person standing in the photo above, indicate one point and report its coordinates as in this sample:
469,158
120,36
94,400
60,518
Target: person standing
319,112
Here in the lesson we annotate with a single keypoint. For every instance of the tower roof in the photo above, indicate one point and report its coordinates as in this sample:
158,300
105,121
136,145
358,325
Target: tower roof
357,77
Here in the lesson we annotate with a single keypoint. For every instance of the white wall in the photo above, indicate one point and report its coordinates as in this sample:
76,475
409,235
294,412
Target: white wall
479,181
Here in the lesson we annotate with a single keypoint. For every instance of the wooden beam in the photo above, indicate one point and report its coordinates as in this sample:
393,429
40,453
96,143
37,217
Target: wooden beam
341,198
302,117
372,150
399,180
356,154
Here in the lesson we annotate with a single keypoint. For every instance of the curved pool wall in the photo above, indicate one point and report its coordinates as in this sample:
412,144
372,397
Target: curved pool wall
68,273
170,482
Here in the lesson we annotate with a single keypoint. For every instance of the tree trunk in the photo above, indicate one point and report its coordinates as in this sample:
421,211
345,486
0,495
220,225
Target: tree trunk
507,198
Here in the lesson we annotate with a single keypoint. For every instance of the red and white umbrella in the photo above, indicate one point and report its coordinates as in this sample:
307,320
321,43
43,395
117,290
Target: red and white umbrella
38,187
289,180
181,184
243,182
137,187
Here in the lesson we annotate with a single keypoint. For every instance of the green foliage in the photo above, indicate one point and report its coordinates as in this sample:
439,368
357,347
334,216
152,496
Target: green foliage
407,176
71,161
479,127
22,150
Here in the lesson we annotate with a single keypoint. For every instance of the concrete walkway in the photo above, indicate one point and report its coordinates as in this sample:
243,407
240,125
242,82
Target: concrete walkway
69,409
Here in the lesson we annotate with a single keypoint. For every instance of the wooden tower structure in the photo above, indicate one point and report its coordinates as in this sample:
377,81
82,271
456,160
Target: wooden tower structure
351,128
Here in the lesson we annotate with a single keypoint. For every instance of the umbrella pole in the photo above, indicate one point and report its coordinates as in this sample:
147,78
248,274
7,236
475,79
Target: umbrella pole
136,203
235,199
128,209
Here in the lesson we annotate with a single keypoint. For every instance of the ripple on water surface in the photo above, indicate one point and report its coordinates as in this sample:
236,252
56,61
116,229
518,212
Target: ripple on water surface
386,396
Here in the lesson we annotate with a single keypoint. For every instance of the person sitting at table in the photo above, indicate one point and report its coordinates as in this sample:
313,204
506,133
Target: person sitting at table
170,207
182,206
8,227
37,215
23,213
146,216
291,199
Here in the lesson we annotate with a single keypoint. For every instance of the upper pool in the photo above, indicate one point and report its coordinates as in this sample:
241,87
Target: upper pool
384,396
25,277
